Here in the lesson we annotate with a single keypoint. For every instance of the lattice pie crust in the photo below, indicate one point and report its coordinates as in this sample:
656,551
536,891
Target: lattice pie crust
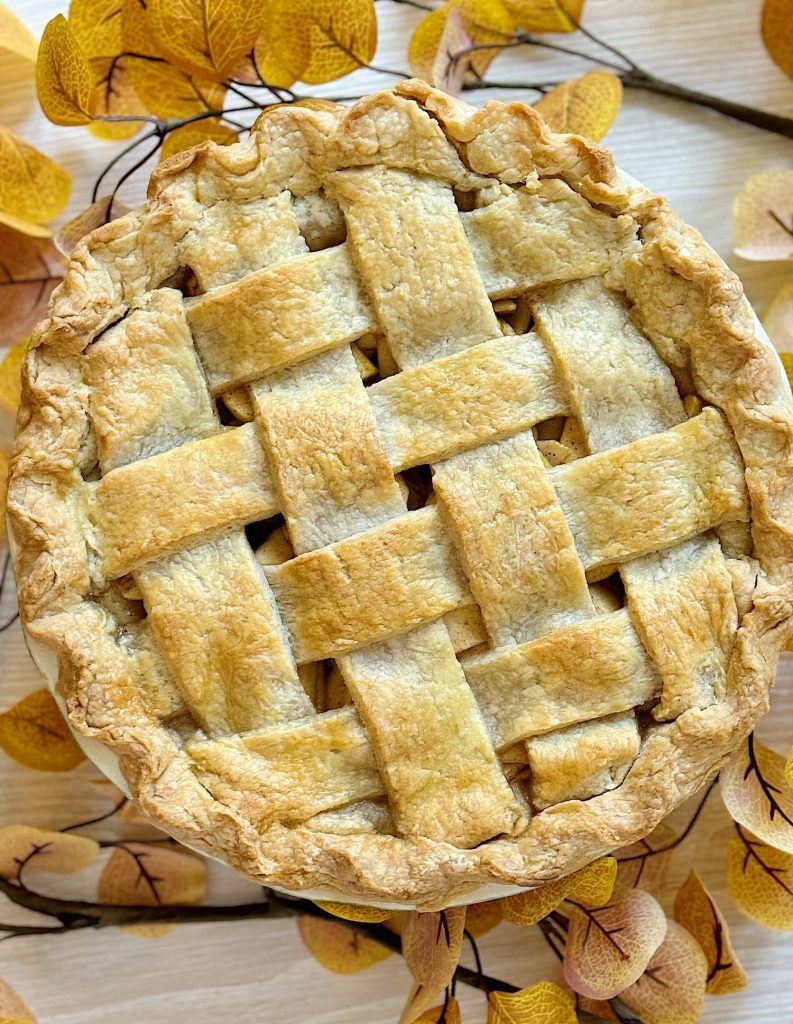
407,497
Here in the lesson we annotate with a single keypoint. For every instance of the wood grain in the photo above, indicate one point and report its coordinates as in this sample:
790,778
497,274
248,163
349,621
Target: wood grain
257,972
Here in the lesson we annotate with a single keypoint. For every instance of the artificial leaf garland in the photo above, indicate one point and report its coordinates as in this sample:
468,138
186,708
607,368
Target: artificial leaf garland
34,733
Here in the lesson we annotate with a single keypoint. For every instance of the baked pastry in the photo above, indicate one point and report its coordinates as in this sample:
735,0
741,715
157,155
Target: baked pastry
407,497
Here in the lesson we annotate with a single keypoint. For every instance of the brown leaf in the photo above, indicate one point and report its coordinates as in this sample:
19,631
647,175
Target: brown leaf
29,270
12,1008
10,371
583,106
101,212
672,988
776,27
339,948
318,40
597,1008
757,795
760,881
447,73
696,911
32,187
544,1003
34,733
641,866
608,948
16,37
483,21
480,918
205,37
545,15
778,321
210,129
763,217
58,852
431,948
64,79
151,876
353,912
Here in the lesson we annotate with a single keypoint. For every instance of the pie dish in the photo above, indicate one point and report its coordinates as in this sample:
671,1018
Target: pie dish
406,496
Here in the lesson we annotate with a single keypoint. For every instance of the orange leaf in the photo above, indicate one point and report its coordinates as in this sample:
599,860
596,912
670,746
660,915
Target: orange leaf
776,28
12,1008
672,988
16,37
431,948
101,212
608,948
760,881
35,734
696,911
544,1003
545,15
597,1008
140,875
32,187
480,918
483,21
29,270
351,912
639,867
583,106
205,37
448,1012
64,79
757,795
339,948
763,217
58,852
209,129
778,321
591,886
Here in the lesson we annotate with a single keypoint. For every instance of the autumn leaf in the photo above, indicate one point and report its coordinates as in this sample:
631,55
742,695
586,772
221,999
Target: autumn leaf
760,881
431,948
591,886
29,270
598,1009
64,79
583,106
608,948
16,37
56,852
12,1008
10,370
672,988
151,876
208,130
4,459
776,27
645,865
33,189
544,1003
447,1013
545,15
339,948
447,72
696,911
35,734
480,918
483,21
352,912
594,884
763,217
757,795
778,322
101,212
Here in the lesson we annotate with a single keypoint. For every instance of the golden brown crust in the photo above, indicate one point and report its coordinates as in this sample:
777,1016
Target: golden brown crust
682,297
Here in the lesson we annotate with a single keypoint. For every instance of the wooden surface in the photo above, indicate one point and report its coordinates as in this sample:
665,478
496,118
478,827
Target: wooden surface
259,971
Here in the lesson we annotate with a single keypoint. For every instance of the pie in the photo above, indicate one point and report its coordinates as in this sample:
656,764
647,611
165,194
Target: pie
406,495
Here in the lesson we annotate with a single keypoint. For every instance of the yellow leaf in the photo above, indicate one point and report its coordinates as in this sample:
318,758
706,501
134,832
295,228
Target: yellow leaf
10,370
763,217
591,885
64,80
273,69
448,1011
431,948
205,37
339,948
141,875
483,21
696,911
209,129
321,40
34,733
778,322
448,73
544,1003
645,865
594,884
545,15
760,881
757,795
25,227
12,1008
16,37
609,947
480,918
3,490
32,186
58,852
583,106
672,988
101,212
29,270
351,912
777,30
789,766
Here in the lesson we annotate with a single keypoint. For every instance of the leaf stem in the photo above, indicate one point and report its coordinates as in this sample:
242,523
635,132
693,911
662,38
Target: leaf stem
683,835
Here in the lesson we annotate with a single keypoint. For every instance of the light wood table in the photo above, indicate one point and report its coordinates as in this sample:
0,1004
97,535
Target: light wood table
258,971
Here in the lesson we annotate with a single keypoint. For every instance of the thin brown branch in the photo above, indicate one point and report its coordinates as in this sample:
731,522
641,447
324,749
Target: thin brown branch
769,791
683,835
752,854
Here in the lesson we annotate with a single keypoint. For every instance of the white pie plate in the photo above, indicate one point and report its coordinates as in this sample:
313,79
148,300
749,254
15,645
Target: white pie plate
107,762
